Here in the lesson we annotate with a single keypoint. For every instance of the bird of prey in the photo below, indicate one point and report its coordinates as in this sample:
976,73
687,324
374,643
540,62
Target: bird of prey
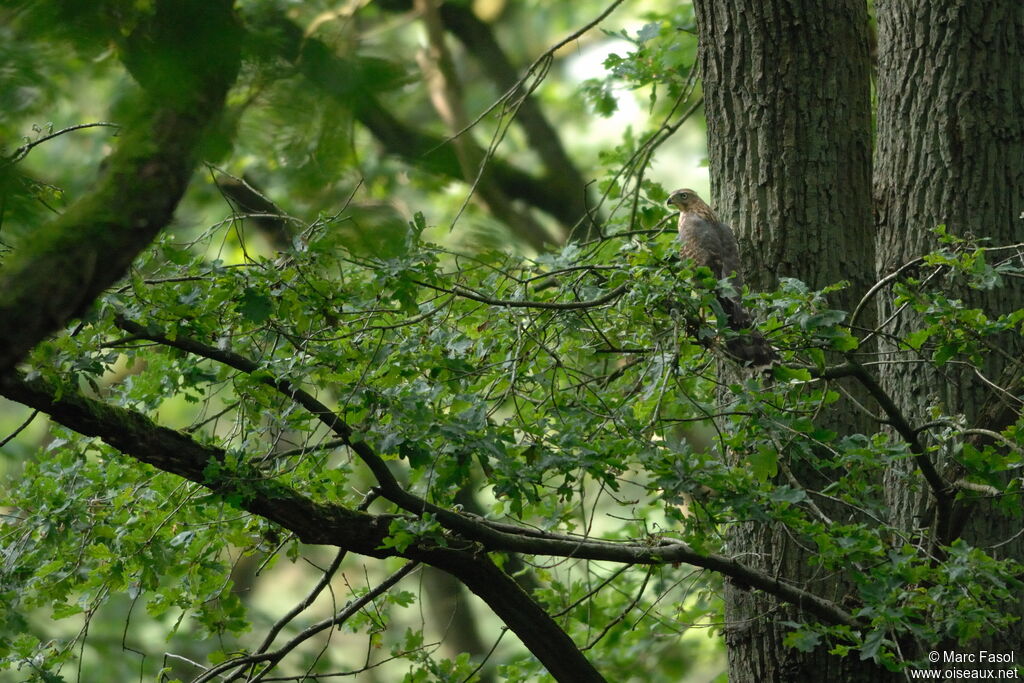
711,243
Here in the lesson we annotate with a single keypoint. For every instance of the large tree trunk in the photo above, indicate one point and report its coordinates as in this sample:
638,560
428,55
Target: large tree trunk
950,151
787,99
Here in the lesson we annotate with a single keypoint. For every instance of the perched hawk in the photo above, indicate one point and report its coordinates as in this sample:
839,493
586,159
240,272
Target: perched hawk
710,242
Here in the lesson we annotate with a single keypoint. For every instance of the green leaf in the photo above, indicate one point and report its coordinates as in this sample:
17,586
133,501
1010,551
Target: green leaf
844,341
872,644
916,339
254,306
764,463
786,374
648,32
823,319
944,353
802,640
787,494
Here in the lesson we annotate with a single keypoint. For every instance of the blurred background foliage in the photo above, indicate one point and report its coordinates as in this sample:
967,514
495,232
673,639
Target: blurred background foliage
332,104
331,147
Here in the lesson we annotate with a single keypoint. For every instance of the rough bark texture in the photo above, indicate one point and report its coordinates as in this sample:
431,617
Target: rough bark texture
950,150
787,100
788,113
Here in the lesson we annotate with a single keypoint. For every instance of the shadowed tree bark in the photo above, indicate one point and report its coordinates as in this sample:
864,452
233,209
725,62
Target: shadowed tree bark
950,152
787,100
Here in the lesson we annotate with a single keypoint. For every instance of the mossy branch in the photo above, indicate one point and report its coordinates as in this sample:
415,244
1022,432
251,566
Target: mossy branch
92,244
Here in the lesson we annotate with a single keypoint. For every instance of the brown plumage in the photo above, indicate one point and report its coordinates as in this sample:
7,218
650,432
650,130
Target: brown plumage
711,243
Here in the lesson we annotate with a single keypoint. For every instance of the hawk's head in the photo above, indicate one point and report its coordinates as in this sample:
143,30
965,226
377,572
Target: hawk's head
689,203
685,200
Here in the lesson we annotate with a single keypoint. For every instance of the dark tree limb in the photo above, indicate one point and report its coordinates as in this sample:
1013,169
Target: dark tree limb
313,522
138,437
92,244
496,536
941,489
516,608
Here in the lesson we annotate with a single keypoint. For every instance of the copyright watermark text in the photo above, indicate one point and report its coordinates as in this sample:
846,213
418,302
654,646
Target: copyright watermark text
978,665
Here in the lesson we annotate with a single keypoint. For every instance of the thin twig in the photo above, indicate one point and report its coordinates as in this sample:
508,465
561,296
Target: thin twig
939,487
881,283
23,151
273,658
493,535
20,429
544,57
341,617
549,305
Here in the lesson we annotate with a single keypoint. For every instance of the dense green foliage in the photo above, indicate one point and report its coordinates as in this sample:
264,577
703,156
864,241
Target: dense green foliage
579,390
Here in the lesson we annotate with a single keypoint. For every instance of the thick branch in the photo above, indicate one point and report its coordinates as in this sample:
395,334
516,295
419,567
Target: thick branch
92,244
139,437
504,537
508,600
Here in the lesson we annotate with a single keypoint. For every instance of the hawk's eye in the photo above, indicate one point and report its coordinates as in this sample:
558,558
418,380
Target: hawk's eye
684,195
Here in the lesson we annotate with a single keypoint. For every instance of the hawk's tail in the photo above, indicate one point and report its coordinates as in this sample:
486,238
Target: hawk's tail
751,347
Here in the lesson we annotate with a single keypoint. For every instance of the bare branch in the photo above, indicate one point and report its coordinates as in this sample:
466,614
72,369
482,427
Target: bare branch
446,94
23,151
477,36
326,70
939,486
274,658
875,288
